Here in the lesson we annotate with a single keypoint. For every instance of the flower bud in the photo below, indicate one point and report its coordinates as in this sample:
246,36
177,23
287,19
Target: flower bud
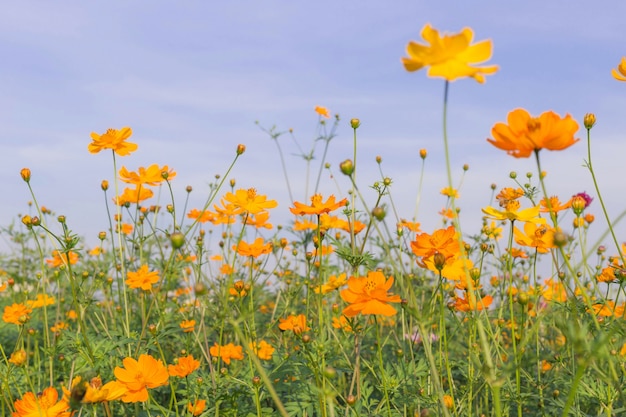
589,120
379,213
241,149
439,259
379,159
25,173
423,153
347,167
177,239
28,221
355,123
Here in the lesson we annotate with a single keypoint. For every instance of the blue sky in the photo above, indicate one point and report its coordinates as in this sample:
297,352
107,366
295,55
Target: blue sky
191,78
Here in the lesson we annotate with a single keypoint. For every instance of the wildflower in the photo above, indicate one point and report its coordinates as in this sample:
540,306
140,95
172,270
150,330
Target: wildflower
472,303
608,309
249,201
61,325
42,300
25,174
412,226
184,366
133,195
139,375
333,283
518,253
545,366
369,295
18,358
295,323
113,139
201,216
196,408
342,323
258,220
126,228
448,401
263,350
93,391
238,289
554,291
16,313
188,326
322,111
45,404
227,352
449,192
512,212
620,73
255,249
317,206
451,56
508,194
142,278
153,175
452,268
589,120
444,241
66,258
555,205
524,134
492,231
538,236
586,199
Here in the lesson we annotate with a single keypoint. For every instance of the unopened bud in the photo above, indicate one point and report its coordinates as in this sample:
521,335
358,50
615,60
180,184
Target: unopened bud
25,173
589,120
104,185
241,149
347,167
423,153
355,123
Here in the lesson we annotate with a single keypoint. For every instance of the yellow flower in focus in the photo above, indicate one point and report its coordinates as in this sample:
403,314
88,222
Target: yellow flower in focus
249,201
524,134
538,236
512,212
113,139
620,73
450,56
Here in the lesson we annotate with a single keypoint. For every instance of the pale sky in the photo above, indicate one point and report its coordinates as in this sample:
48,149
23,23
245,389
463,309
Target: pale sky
191,78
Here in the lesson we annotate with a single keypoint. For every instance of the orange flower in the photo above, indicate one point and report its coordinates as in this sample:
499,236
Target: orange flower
343,324
443,241
227,352
201,216
317,206
187,325
93,391
59,259
538,236
450,57
472,303
113,139
555,205
327,221
139,375
322,111
45,404
143,278
295,323
133,196
368,295
263,350
249,201
16,314
412,226
153,175
620,73
259,220
42,300
196,408
18,358
524,134
554,291
184,366
508,194
255,249
449,192
333,283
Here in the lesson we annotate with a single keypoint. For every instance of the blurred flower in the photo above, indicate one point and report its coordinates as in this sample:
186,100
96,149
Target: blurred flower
555,205
196,408
295,323
412,226
227,352
317,206
332,284
41,300
113,139
258,220
472,303
256,249
450,57
449,192
18,358
524,134
59,258
444,241
139,375
184,366
17,313
249,201
263,350
93,391
322,111
369,295
620,73
45,404
554,291
342,323
187,325
142,278
492,231
133,195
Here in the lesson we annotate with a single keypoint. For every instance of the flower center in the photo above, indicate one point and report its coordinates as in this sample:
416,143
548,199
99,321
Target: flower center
533,125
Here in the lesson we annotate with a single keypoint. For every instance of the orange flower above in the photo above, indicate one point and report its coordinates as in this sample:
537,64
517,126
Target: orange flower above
16,314
295,323
443,241
227,352
153,175
509,194
143,278
317,207
450,57
538,236
620,73
263,350
184,366
322,111
255,249
369,295
555,205
113,139
45,404
249,201
524,134
139,375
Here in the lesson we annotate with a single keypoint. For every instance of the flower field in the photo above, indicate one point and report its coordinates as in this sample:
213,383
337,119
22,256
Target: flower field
348,309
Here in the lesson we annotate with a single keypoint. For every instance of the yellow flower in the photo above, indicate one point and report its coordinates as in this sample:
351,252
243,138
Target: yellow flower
538,236
333,283
184,366
512,212
620,73
249,201
317,206
295,323
451,56
44,404
133,195
16,314
369,295
227,352
18,358
42,300
93,391
139,375
263,350
153,175
255,249
322,111
113,139
143,278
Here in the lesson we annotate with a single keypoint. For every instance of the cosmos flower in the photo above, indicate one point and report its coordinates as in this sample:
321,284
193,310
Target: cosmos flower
256,249
113,139
443,241
369,295
227,352
322,111
263,350
538,236
45,404
17,313
317,207
139,375
619,73
512,212
295,323
184,366
142,278
450,56
249,201
153,175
